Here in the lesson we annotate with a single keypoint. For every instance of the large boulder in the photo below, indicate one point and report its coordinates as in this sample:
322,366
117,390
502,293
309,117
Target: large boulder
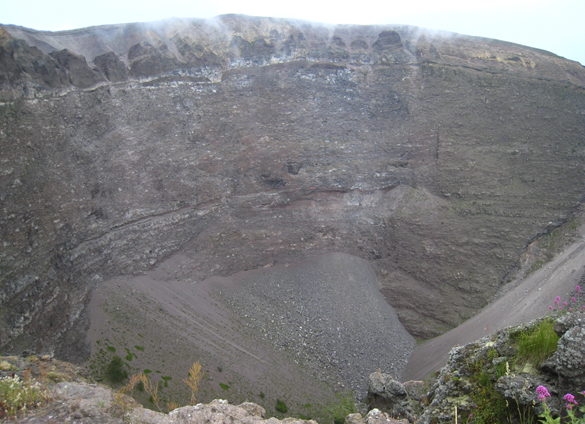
389,395
568,362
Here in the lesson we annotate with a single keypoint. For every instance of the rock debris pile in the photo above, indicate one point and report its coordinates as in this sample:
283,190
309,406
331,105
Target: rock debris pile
329,314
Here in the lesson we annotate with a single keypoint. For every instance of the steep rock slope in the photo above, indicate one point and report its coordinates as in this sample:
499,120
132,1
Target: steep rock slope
245,142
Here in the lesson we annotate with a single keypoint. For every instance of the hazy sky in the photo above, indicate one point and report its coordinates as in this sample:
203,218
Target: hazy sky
554,25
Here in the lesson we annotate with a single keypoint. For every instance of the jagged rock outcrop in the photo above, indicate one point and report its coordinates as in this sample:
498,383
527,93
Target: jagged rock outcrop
567,364
244,142
484,377
390,395
375,416
89,403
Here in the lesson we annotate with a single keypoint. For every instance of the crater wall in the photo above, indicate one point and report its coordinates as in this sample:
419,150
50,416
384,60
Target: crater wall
246,142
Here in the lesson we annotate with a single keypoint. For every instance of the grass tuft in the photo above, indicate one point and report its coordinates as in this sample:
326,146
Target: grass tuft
538,344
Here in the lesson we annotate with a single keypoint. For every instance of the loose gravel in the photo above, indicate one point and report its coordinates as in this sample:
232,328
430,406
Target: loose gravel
329,315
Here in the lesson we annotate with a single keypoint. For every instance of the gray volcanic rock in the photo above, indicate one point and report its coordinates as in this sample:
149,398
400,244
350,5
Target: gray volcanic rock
79,72
389,395
244,142
112,67
568,362
28,66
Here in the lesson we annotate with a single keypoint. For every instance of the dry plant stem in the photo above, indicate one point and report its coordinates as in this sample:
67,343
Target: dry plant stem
151,389
195,376
130,386
171,406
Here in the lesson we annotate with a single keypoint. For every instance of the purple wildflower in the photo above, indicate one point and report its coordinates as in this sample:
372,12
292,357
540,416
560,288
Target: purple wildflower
541,390
550,307
578,289
570,309
560,307
557,300
564,303
573,300
569,398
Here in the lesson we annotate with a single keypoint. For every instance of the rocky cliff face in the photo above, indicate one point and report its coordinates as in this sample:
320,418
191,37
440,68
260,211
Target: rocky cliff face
245,142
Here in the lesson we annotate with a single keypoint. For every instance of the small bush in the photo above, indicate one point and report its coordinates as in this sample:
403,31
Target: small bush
281,406
489,406
115,370
18,396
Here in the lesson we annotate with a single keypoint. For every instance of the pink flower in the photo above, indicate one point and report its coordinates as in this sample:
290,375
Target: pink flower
560,307
570,309
550,307
541,390
569,398
578,289
564,303
573,300
557,300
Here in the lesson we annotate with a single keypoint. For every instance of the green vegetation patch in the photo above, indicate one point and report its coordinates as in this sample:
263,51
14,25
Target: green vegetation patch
341,408
281,406
537,344
115,372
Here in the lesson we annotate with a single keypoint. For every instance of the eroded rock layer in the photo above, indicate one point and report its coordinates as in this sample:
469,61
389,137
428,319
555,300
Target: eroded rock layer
245,142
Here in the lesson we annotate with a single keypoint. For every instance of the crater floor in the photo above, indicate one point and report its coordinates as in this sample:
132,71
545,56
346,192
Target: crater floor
299,332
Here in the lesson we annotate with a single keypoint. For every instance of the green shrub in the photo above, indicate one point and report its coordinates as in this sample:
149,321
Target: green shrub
281,406
115,371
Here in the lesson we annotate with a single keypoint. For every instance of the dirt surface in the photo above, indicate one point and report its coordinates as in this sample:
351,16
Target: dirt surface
165,325
529,299
300,333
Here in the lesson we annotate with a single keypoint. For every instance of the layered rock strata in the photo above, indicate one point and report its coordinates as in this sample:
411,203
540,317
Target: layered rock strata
245,142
